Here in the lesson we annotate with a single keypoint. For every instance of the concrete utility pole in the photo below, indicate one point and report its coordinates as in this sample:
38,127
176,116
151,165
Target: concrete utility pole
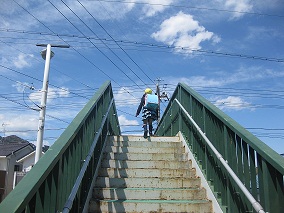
158,94
4,132
46,54
4,129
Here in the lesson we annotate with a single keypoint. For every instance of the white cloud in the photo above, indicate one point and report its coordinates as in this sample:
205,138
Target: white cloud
20,123
256,32
102,10
195,81
22,60
58,92
239,6
240,75
125,97
53,93
21,86
153,7
182,30
231,102
124,121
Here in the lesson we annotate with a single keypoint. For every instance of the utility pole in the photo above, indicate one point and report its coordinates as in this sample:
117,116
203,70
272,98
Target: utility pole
4,129
4,132
158,94
162,96
46,54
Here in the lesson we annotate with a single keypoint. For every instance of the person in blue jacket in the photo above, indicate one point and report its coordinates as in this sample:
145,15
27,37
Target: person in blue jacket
148,115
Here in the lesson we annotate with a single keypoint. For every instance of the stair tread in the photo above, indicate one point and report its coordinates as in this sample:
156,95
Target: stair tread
154,201
147,188
141,138
147,175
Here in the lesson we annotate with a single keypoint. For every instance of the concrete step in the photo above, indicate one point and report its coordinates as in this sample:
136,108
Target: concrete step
151,206
126,138
141,182
145,164
147,175
125,173
145,156
119,149
145,144
149,193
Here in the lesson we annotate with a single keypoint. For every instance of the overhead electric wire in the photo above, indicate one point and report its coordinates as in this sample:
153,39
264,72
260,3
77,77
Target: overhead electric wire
123,34
210,52
16,102
86,36
172,48
52,32
94,45
41,81
23,105
31,130
228,90
103,41
117,43
62,40
233,56
191,7
266,129
210,90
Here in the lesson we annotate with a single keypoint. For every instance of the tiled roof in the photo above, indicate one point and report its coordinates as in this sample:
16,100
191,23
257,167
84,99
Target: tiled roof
11,144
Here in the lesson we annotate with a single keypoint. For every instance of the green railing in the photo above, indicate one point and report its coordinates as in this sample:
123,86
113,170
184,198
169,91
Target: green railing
258,168
62,179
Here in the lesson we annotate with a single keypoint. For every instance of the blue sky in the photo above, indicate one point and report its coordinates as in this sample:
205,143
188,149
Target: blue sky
230,51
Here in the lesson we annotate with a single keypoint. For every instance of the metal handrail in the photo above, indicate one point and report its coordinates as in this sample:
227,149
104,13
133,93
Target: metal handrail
260,168
255,204
49,183
68,205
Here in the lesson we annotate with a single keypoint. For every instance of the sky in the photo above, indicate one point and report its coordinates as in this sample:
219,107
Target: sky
229,51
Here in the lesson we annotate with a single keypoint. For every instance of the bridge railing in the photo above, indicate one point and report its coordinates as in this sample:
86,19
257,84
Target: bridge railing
62,179
258,168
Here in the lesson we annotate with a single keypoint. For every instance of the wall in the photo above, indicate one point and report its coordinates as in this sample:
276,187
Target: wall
11,162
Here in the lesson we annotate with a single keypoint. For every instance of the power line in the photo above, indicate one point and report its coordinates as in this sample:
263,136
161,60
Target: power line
116,43
52,32
86,36
268,129
32,130
41,81
210,52
123,34
214,91
123,44
93,45
192,7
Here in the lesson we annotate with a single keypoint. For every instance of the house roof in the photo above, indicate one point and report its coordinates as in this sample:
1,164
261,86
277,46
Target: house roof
28,155
11,144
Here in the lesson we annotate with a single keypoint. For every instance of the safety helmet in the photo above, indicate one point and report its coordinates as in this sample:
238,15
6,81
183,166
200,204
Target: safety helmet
148,91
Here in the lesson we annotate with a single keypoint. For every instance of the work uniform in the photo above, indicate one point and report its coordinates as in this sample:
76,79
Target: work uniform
147,116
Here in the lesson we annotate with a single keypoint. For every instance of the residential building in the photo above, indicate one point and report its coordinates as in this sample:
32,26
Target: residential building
12,149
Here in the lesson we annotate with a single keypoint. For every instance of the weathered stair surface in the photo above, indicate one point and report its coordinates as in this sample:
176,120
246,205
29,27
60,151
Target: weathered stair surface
147,175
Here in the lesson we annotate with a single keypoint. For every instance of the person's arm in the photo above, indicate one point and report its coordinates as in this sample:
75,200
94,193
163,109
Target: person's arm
142,102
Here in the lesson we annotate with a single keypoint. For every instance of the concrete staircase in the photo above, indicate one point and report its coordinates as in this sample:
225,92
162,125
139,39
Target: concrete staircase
147,175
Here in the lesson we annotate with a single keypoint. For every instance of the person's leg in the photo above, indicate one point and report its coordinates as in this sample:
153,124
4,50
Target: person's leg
150,120
145,128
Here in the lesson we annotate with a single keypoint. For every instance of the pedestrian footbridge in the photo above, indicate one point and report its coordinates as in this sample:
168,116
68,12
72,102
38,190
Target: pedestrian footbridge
200,160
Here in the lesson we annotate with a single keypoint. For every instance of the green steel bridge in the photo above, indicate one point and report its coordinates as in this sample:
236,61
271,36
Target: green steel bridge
244,174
